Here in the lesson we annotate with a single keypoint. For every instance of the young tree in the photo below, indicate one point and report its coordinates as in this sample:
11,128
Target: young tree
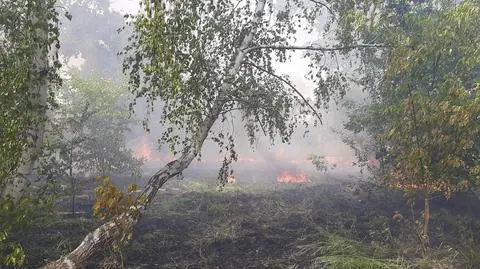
204,60
94,118
424,112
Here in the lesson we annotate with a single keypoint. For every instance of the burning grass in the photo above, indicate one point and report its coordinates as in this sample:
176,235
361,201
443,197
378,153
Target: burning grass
288,177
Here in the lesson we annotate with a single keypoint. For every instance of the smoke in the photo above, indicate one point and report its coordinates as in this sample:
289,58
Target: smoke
262,158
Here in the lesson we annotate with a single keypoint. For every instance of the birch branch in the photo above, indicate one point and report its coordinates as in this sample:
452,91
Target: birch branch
315,47
305,101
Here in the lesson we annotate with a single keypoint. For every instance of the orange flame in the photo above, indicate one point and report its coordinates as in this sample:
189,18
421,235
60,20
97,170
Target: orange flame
144,151
287,177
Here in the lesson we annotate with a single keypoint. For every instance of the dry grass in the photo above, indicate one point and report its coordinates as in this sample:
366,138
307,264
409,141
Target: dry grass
192,225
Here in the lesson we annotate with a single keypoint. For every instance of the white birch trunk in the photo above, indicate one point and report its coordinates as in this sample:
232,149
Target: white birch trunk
95,240
25,173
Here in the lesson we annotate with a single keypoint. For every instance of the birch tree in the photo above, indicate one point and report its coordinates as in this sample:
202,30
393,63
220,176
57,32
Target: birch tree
28,64
201,62
30,38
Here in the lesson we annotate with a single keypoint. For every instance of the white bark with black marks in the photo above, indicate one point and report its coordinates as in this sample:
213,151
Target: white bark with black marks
39,83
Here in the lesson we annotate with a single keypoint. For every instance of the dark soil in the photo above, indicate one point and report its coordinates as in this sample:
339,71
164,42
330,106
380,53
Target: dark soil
190,225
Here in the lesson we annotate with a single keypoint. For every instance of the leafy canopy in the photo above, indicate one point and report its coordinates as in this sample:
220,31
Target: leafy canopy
180,54
424,108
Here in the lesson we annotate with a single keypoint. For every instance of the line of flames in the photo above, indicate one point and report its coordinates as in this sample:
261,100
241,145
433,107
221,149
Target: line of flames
287,177
145,152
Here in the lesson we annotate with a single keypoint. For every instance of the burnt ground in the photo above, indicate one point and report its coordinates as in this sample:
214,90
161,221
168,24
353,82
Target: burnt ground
341,225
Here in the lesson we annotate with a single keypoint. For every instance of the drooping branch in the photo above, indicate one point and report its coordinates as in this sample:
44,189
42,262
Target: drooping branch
248,103
257,118
95,240
315,47
316,2
305,101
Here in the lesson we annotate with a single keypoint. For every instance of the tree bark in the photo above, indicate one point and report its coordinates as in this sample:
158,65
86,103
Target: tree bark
17,186
94,241
426,219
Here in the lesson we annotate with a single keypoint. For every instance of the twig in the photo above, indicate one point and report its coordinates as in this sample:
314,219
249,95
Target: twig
314,111
323,5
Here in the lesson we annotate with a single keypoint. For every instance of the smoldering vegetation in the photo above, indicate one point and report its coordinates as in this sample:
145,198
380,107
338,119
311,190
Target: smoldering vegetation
335,224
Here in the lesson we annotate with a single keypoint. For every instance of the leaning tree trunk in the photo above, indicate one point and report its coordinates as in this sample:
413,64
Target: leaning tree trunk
104,234
16,187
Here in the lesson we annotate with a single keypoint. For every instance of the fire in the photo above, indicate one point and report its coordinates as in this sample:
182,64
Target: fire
144,151
287,177
231,180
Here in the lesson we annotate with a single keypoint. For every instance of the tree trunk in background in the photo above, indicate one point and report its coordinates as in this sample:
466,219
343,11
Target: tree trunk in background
426,220
17,186
72,182
95,240
73,202
72,179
